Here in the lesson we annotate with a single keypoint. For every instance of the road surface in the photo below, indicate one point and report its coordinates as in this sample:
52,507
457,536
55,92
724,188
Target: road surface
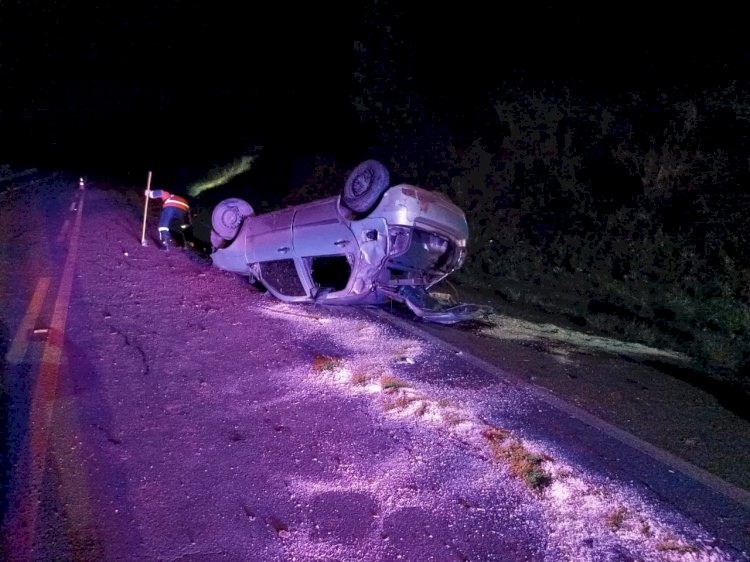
160,409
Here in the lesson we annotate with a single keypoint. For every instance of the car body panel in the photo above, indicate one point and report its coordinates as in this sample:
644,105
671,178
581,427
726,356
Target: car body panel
319,231
271,235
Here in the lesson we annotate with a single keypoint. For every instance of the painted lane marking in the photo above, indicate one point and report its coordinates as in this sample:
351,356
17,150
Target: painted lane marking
66,224
20,343
44,396
63,231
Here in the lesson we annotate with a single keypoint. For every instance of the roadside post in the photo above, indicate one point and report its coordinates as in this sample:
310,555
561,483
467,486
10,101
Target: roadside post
145,211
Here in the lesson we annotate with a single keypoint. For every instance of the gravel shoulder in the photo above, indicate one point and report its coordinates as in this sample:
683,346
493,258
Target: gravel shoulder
652,394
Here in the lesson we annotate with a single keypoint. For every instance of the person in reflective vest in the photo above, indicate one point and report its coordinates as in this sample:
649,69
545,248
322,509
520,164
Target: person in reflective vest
175,214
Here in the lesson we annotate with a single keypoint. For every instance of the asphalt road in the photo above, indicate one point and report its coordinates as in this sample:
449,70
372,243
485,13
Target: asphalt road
160,409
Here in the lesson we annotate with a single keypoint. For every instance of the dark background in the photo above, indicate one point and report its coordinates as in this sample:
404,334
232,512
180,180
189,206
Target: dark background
116,85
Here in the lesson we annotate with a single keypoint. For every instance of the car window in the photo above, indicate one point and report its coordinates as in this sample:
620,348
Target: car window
329,272
281,276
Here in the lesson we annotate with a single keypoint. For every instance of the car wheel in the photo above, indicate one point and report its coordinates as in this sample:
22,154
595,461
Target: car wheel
364,186
227,217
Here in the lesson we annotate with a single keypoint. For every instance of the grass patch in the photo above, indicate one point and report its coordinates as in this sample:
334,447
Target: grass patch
452,418
675,546
360,379
399,403
389,383
422,410
617,518
323,363
523,463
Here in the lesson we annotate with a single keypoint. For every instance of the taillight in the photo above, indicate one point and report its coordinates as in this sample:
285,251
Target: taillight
398,239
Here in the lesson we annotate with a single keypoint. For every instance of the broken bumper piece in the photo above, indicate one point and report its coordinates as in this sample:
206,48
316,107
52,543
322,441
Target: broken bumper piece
427,307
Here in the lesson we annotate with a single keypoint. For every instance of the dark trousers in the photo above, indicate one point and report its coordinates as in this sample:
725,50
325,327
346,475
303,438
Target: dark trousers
172,218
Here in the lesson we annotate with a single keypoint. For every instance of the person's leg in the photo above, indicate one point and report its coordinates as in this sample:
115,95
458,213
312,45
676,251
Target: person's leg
179,226
165,220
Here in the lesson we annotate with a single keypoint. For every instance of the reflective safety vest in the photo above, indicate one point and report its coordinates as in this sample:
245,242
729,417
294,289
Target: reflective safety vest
177,201
170,200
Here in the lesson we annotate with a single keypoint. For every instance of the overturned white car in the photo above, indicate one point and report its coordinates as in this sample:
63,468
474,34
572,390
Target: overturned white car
370,244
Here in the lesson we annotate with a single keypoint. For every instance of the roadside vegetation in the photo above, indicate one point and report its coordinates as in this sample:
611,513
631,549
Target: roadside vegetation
630,219
525,464
626,213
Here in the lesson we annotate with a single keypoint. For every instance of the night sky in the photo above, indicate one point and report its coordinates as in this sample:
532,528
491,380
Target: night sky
121,84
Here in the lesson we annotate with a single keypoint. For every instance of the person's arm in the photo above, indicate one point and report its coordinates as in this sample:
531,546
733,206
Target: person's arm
157,194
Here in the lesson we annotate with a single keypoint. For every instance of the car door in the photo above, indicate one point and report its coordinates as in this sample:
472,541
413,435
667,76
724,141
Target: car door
325,246
270,249
269,236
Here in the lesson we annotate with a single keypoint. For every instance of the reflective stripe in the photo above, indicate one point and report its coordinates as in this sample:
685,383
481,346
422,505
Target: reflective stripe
163,229
176,201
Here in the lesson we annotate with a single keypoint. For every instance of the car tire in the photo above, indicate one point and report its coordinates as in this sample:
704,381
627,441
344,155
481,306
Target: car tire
227,217
364,186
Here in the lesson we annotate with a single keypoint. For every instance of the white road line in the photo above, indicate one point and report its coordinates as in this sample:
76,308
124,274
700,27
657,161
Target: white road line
63,231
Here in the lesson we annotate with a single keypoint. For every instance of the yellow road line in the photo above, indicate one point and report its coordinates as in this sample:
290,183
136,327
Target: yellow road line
44,396
20,343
